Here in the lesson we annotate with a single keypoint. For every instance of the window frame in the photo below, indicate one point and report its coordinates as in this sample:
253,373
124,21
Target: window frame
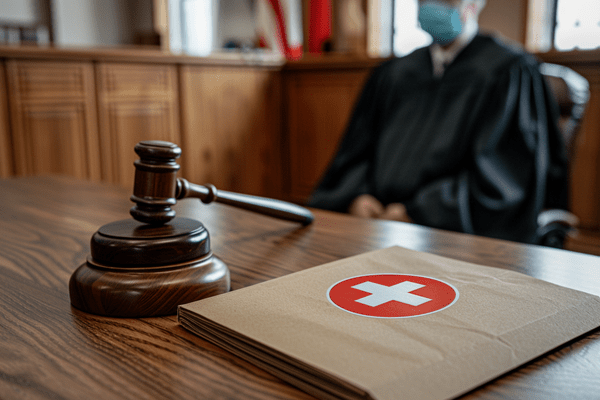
540,34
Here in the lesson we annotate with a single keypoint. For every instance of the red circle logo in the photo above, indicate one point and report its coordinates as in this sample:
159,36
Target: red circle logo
392,295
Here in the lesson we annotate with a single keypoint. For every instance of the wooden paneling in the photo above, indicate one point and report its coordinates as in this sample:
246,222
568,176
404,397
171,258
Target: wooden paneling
585,167
6,165
584,240
132,54
136,102
507,18
53,118
318,106
232,128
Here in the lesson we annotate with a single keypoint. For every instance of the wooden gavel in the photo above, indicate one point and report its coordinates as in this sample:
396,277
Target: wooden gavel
147,266
157,188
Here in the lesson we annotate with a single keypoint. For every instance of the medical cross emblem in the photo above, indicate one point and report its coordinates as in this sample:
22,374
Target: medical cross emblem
392,295
382,294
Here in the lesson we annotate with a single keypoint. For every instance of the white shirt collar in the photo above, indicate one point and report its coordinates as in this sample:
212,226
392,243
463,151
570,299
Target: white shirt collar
442,57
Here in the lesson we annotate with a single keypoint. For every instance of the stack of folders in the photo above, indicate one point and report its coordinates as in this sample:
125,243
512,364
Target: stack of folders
393,324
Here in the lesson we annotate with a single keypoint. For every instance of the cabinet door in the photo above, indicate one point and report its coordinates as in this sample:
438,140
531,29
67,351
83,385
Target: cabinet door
136,102
54,125
231,121
319,104
6,167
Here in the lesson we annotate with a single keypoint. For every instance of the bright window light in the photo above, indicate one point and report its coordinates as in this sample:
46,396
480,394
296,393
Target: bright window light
408,36
197,27
577,25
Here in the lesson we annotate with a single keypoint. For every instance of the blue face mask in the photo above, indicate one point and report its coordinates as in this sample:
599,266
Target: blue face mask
441,21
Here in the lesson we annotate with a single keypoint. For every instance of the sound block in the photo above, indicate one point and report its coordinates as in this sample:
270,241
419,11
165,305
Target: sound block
138,270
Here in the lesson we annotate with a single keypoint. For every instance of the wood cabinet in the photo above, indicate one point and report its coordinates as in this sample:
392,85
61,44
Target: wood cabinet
53,118
6,164
318,106
231,126
254,126
135,102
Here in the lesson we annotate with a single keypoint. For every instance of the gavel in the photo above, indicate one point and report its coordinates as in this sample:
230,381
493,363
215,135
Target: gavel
157,188
147,266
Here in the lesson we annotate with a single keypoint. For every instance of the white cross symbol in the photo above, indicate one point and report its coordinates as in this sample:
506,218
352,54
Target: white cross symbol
381,294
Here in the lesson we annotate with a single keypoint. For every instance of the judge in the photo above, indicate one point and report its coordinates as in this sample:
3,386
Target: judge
460,135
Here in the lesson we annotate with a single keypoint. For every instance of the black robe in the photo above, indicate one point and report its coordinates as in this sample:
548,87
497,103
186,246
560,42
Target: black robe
476,150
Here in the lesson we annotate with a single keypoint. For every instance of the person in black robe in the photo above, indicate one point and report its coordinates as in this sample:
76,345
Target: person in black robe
475,149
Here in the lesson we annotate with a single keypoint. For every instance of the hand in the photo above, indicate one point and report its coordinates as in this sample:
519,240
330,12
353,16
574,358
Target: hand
396,212
366,206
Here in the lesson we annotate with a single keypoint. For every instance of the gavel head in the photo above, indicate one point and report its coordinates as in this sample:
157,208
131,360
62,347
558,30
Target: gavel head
155,185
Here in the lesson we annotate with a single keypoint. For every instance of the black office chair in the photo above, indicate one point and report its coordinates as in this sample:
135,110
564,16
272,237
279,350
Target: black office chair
572,93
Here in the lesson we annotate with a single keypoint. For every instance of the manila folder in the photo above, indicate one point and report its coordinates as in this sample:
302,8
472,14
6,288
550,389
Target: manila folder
393,324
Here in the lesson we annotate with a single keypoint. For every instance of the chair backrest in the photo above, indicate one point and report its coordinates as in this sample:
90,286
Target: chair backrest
572,93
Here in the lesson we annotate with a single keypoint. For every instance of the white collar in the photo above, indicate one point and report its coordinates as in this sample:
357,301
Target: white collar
442,57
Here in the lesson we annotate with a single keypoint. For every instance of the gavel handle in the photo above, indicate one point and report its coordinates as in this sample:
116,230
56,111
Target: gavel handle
271,207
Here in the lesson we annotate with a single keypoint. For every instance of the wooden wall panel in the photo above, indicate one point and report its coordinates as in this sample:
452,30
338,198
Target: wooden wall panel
584,191
53,118
507,18
318,105
136,102
232,128
585,167
6,164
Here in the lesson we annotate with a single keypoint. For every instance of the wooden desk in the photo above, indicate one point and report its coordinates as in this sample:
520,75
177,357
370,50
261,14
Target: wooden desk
49,350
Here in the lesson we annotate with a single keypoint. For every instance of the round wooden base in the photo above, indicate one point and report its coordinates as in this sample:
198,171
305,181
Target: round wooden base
150,292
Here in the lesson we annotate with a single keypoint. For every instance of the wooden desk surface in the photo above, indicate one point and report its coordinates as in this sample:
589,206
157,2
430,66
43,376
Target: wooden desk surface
49,350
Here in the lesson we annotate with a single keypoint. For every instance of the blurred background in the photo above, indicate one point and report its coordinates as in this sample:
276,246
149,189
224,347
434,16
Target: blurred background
257,96
202,27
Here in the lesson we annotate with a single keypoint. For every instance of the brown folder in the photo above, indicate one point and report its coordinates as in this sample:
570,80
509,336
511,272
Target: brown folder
393,324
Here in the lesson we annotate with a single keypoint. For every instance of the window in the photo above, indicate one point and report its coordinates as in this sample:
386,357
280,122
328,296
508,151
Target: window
561,24
197,16
577,25
192,26
408,36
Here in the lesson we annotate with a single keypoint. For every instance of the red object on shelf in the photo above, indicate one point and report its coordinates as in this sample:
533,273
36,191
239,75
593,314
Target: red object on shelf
319,25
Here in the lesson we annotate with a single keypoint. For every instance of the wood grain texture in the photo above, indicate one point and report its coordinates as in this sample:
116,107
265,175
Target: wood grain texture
53,118
318,107
50,350
6,152
231,127
145,292
136,102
